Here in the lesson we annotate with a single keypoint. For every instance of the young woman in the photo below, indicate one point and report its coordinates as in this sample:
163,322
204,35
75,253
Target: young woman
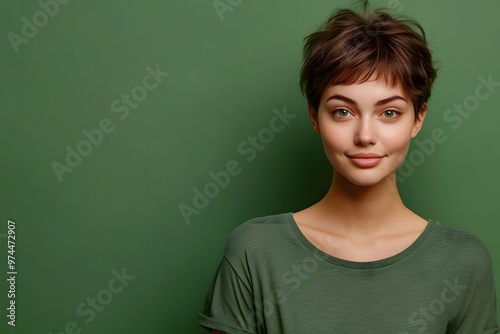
358,261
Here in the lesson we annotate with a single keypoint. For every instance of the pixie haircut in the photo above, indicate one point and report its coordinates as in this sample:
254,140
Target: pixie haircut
352,46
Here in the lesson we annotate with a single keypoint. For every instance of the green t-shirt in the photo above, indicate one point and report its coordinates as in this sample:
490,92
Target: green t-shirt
271,279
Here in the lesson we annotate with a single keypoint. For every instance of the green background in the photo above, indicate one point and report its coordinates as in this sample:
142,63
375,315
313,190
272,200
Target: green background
119,207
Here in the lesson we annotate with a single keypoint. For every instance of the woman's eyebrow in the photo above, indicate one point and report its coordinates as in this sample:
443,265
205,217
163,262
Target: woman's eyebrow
351,101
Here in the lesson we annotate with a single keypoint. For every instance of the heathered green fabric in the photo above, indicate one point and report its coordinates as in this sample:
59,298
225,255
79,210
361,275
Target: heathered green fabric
271,279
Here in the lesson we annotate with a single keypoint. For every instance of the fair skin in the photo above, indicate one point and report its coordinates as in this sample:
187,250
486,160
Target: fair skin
362,217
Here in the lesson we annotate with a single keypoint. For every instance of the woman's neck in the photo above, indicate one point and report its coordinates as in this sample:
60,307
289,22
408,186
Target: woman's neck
360,210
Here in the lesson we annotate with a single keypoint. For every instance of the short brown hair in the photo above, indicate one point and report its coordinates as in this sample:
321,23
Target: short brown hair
351,46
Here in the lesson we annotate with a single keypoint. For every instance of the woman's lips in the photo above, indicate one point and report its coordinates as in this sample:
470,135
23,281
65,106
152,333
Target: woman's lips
366,162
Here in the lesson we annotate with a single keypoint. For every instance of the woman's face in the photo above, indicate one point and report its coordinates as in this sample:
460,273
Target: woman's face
366,129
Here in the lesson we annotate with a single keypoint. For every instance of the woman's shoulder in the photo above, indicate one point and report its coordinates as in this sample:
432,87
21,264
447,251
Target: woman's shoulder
464,245
456,236
257,233
259,227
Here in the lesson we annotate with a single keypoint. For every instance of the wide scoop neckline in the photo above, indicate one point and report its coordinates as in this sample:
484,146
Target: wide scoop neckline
357,264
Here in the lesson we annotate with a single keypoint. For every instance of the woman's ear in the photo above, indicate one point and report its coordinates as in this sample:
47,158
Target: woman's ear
419,120
313,116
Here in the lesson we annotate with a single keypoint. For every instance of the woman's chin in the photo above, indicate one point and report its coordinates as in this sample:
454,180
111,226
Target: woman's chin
366,180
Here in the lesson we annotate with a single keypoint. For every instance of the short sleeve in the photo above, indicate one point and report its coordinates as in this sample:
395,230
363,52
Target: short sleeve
479,312
229,305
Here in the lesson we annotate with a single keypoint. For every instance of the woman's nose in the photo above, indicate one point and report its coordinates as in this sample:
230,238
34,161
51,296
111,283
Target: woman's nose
365,133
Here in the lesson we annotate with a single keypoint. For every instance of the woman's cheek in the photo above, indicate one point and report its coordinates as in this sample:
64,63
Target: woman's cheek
335,140
398,145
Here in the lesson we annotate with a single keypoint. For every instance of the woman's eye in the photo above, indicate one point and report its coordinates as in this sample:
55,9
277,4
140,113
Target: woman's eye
391,113
341,112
